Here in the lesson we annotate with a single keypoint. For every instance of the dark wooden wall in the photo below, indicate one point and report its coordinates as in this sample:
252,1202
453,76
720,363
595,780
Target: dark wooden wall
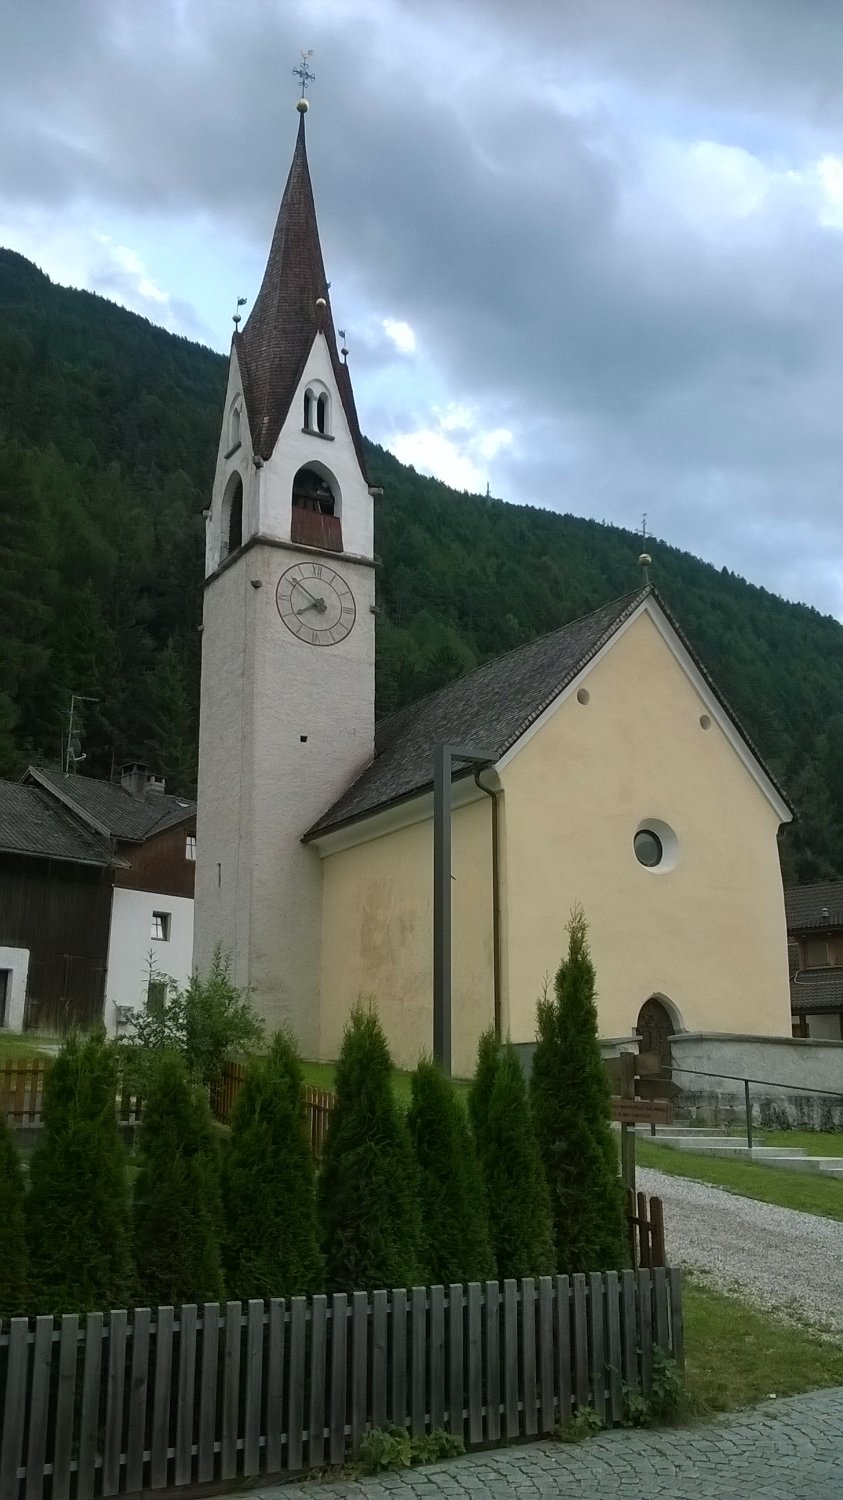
61,913
159,864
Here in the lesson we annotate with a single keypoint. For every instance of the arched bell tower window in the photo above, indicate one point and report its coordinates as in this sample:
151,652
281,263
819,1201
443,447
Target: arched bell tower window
316,508
234,426
317,409
232,517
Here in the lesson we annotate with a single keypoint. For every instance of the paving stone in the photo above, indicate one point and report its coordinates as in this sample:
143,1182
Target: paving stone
792,1450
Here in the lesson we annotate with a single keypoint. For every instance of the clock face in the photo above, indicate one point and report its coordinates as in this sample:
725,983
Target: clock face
315,603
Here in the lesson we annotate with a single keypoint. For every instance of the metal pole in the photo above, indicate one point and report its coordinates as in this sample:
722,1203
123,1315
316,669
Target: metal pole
442,907
748,1113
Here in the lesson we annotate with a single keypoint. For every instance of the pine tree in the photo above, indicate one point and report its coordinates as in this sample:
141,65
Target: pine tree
271,1236
516,1189
368,1194
177,1217
77,1207
454,1221
570,1097
13,1258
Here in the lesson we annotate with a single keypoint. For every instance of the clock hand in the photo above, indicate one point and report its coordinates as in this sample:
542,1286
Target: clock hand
299,585
317,604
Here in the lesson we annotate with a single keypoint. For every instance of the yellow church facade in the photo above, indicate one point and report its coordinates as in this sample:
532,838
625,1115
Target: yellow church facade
616,779
638,738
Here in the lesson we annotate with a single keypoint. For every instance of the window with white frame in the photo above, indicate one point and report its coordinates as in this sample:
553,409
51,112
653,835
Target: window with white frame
190,846
161,926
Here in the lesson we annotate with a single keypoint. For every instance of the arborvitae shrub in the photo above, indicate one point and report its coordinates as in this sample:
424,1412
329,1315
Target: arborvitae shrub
570,1096
485,1073
367,1190
13,1258
271,1236
77,1207
454,1222
177,1217
516,1190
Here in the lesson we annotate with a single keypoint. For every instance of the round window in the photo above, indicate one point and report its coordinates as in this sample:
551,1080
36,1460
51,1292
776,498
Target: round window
648,848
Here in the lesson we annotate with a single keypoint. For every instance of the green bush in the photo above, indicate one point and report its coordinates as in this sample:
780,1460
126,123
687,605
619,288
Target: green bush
367,1191
385,1448
571,1109
177,1217
13,1258
206,1021
516,1190
271,1236
454,1222
77,1207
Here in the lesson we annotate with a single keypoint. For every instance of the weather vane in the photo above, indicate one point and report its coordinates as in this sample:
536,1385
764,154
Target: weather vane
303,73
241,302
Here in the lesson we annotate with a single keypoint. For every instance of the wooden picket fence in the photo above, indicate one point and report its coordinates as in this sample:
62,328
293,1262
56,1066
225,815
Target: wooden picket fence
645,1221
22,1082
318,1104
113,1404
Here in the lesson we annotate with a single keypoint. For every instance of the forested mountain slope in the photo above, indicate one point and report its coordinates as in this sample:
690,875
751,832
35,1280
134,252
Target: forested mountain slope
108,432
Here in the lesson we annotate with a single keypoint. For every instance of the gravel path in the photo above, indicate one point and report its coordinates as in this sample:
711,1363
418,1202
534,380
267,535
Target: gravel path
775,1257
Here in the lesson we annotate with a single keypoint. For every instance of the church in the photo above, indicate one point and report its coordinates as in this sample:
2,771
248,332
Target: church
614,775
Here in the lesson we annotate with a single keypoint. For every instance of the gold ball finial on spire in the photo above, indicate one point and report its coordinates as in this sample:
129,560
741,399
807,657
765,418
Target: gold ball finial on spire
304,75
302,106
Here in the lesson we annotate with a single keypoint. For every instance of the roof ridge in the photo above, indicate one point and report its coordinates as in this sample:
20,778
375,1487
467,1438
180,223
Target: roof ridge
636,594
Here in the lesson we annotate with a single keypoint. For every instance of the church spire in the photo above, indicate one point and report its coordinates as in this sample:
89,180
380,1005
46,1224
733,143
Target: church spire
291,309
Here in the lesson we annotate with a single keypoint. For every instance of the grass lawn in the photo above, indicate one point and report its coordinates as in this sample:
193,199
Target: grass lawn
736,1354
13,1044
814,1142
810,1192
321,1076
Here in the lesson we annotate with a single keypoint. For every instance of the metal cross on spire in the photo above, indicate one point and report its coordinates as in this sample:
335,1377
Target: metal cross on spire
303,73
645,559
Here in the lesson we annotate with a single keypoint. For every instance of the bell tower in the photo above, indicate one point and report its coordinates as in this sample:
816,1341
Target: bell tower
288,644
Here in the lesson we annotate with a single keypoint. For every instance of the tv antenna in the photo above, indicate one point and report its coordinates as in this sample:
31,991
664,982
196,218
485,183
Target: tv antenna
72,752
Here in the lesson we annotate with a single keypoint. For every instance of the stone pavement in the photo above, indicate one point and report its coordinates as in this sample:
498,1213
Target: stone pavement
790,1449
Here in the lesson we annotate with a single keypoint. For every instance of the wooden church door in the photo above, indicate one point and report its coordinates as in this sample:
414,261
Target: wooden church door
655,1028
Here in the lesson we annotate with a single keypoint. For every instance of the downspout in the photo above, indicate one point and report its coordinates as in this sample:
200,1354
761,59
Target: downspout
496,900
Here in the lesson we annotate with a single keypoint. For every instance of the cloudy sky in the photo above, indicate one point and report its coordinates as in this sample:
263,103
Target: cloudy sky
590,251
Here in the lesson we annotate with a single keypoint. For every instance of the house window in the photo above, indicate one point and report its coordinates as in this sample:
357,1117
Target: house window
161,926
816,953
190,846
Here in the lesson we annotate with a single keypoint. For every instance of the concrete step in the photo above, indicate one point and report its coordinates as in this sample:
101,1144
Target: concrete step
702,1132
732,1149
832,1166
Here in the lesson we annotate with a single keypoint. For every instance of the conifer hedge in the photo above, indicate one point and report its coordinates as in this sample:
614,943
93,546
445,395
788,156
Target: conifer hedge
570,1098
516,1189
271,1236
177,1212
14,1267
77,1207
455,1242
368,1190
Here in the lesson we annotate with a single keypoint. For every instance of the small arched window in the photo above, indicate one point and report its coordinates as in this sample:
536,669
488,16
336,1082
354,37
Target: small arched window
234,427
232,517
308,410
322,414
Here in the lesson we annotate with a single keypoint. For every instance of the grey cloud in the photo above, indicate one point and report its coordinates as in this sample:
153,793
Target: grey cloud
640,364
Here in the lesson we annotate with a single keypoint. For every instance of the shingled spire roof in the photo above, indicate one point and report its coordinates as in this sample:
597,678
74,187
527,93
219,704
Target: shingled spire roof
278,335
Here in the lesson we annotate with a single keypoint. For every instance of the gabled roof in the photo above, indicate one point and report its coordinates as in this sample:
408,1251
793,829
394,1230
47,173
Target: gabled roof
492,707
815,991
33,823
111,809
278,335
809,906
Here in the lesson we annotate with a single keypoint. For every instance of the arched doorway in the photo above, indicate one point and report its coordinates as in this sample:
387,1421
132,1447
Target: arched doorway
655,1026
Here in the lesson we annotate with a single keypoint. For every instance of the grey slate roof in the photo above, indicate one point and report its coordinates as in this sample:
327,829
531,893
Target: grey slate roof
805,904
32,822
125,817
491,708
816,990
